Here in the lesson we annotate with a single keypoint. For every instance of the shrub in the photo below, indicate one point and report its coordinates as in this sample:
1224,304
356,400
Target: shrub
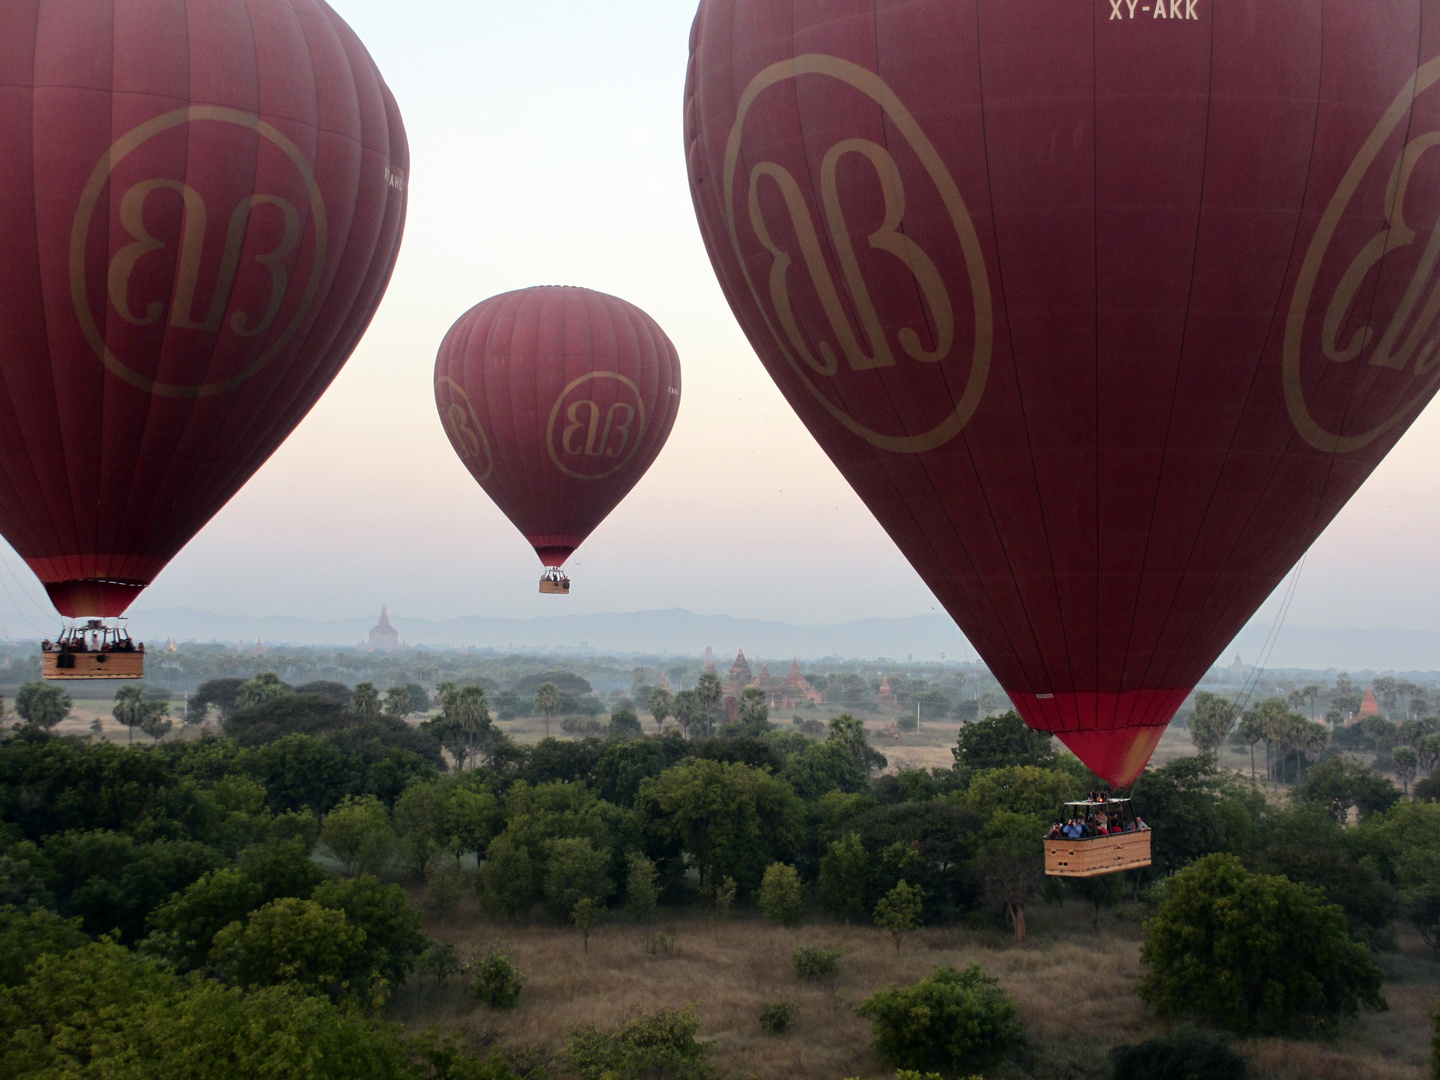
813,962
781,898
441,961
1181,1055
948,1022
653,1046
1252,952
498,981
777,1016
641,888
660,945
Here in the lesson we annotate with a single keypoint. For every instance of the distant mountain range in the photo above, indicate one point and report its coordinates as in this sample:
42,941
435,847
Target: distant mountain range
682,633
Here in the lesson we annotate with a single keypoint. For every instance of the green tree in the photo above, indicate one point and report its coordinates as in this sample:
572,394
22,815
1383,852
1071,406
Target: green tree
708,692
624,724
262,688
1211,722
1343,784
358,833
156,720
293,940
192,918
848,732
1001,741
642,888
1022,789
845,872
398,702
1012,860
42,706
1251,952
754,714
585,914
1402,841
393,940
26,936
508,880
1406,762
732,820
661,704
781,897
687,710
129,708
547,703
365,701
952,1022
899,911
1250,730
575,871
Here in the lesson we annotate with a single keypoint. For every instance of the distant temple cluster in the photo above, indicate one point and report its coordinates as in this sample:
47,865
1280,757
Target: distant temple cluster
780,694
383,636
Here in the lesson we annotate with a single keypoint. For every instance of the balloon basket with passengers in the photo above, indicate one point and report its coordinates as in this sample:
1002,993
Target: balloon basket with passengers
92,649
1097,836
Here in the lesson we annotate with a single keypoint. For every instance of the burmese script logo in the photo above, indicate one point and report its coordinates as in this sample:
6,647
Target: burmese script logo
467,434
192,259
803,278
596,425
1372,317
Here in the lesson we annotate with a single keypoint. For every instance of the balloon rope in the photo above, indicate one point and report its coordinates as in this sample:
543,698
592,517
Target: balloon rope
1252,681
5,562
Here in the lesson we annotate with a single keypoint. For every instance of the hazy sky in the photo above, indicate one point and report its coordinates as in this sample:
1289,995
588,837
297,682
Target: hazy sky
545,144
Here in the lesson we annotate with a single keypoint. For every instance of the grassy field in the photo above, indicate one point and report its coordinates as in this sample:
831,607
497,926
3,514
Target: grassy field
1074,985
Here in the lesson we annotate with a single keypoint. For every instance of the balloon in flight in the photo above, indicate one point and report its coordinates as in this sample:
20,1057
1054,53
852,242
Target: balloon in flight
557,399
201,203
1104,310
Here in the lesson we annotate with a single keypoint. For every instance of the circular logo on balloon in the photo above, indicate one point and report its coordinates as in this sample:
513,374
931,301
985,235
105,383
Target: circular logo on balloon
861,258
467,434
596,425
1362,347
228,252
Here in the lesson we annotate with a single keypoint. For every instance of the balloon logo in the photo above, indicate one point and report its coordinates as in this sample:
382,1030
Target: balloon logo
1103,314
1399,348
874,351
590,441
185,128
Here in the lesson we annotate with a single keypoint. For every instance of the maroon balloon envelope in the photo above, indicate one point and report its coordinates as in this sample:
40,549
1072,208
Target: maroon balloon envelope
201,202
1104,307
557,400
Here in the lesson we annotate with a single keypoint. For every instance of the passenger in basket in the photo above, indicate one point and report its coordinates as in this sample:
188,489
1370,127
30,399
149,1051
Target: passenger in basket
1140,825
1055,831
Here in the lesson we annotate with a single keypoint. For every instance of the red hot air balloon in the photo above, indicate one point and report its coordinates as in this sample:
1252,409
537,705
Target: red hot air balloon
201,202
1104,310
557,400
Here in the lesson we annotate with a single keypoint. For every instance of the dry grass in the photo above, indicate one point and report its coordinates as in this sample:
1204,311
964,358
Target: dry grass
1074,988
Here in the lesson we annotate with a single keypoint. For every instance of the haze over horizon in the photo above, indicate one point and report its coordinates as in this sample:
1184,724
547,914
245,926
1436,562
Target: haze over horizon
569,169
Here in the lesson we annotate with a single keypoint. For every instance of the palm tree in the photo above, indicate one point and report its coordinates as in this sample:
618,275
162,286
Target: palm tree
547,701
1251,730
365,701
686,709
129,708
708,691
661,704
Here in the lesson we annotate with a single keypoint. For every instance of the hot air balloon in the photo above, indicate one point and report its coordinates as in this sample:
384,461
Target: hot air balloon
1104,310
201,202
557,400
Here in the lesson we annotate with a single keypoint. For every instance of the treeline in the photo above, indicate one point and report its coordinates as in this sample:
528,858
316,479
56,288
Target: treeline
254,878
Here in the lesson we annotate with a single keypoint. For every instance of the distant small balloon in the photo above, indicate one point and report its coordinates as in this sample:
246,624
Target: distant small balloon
557,399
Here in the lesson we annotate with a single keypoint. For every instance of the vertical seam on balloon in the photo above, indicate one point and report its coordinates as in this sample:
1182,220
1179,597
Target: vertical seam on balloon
1179,366
93,541
881,459
1281,456
44,316
262,434
1169,672
1015,368
1095,325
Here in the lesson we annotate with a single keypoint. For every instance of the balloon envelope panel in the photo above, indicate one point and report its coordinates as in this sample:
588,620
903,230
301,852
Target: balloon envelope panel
557,400
1104,309
202,202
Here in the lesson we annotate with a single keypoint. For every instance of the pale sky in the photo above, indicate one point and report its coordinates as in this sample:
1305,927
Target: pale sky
545,148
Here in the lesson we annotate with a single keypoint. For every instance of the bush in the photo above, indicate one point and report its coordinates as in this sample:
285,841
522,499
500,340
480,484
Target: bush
1182,1055
498,981
776,1016
1250,952
781,898
653,1046
660,945
949,1022
813,962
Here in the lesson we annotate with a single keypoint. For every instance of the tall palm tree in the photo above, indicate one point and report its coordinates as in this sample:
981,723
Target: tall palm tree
708,691
661,704
547,702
